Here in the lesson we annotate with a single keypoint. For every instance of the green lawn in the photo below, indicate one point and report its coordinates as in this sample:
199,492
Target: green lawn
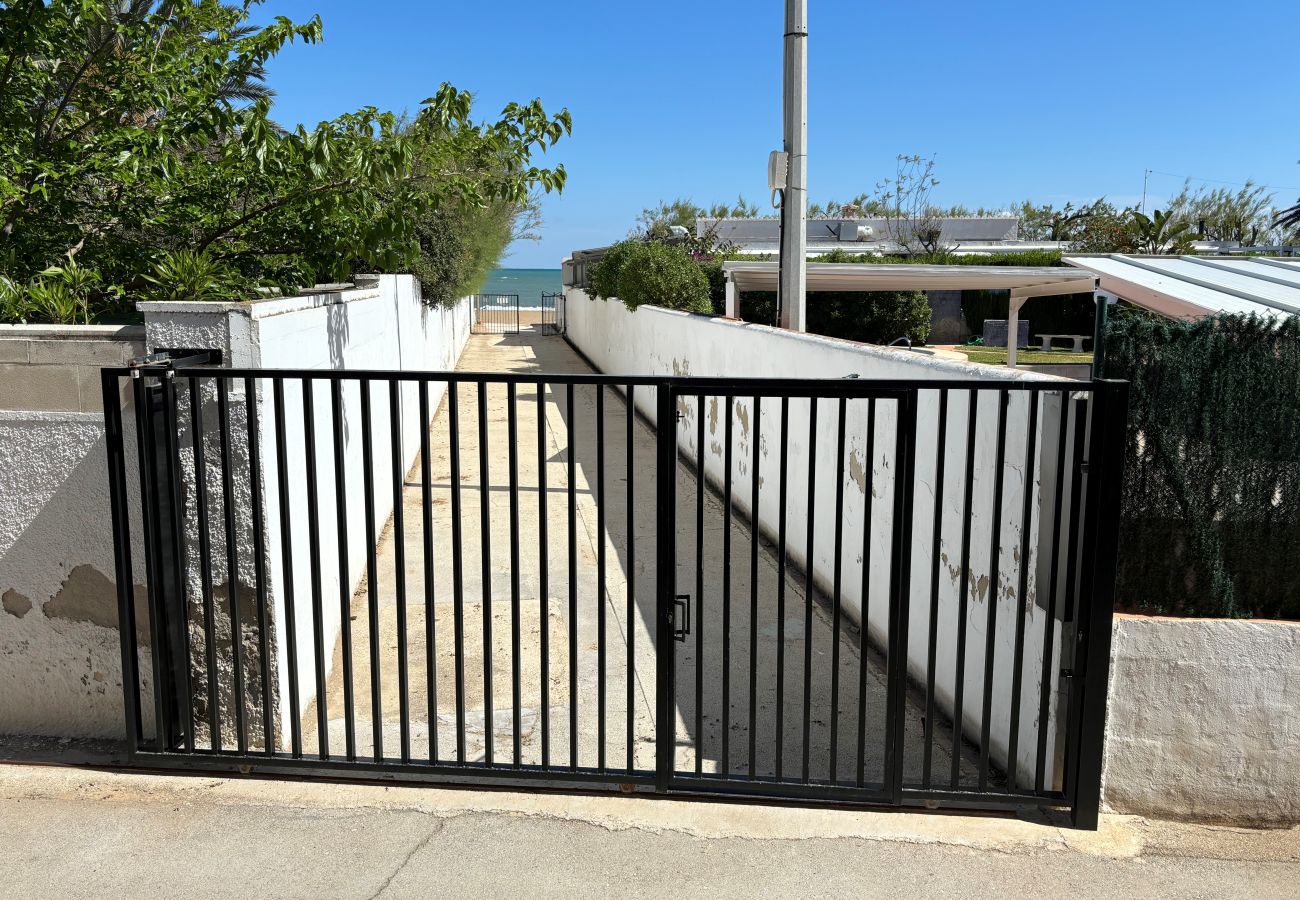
997,356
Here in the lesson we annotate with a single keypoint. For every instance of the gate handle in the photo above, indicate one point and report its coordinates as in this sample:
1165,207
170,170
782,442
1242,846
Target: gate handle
682,623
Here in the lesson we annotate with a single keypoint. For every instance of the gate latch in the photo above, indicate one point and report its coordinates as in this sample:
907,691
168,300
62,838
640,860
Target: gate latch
681,617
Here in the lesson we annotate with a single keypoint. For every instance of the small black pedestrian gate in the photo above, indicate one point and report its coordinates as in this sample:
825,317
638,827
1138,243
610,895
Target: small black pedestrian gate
496,314
846,591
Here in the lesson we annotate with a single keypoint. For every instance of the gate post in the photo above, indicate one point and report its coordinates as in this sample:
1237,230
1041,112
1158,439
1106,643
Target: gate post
1106,449
665,583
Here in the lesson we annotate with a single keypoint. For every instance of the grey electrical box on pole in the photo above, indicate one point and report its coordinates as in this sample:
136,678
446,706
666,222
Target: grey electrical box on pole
794,201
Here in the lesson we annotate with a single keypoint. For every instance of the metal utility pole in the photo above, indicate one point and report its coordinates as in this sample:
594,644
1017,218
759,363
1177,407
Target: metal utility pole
794,202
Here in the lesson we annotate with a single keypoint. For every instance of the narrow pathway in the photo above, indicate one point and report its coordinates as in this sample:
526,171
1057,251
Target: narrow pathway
548,626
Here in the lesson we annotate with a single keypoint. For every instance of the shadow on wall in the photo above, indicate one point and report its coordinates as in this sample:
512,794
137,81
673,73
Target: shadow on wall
60,656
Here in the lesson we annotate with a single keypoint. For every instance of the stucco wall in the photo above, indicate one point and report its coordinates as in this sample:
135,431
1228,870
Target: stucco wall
60,663
1204,720
656,341
60,670
382,325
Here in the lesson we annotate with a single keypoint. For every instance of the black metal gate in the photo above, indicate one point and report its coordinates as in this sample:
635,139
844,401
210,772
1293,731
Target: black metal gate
852,591
550,317
496,314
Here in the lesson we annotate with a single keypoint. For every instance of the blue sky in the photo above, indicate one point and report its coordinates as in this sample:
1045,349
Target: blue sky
1045,100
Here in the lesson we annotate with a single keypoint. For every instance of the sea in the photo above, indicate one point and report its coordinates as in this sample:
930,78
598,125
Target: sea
529,284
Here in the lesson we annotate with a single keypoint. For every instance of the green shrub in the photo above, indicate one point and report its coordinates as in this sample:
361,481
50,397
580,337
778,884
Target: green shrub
652,273
666,276
184,275
609,268
866,317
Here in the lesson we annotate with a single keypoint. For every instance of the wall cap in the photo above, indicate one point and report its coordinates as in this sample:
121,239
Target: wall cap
72,332
262,308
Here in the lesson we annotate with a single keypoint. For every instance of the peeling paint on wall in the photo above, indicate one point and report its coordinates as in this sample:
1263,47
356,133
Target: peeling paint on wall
857,471
15,603
88,596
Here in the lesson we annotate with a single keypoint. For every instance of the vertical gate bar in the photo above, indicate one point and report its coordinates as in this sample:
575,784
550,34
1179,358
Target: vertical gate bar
485,528
1049,625
398,457
756,442
286,543
600,578
1022,591
963,594
808,586
700,488
573,578
665,584
457,563
110,386
864,624
232,565
837,589
345,575
543,578
837,585
901,597
995,570
726,591
149,519
936,549
1106,453
782,496
372,570
516,681
1078,509
179,638
426,529
205,562
313,545
259,563
630,467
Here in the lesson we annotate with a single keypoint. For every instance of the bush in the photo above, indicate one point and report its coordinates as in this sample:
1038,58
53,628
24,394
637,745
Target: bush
866,317
652,273
606,272
1210,522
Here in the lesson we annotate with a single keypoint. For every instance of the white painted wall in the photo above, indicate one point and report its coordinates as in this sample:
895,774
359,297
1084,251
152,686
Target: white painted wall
382,326
1204,720
652,341
60,662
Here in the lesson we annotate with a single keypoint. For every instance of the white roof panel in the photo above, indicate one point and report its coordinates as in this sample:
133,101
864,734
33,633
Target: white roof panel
1191,287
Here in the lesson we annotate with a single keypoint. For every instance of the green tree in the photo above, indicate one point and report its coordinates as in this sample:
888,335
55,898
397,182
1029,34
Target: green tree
130,131
1244,215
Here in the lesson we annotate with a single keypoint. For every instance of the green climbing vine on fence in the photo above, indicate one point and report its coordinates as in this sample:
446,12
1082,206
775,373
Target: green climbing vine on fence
1211,516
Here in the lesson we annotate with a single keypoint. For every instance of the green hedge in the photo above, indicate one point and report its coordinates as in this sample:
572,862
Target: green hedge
1072,314
1211,514
867,317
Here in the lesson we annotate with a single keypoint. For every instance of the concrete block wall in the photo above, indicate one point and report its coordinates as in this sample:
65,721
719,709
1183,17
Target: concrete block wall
55,368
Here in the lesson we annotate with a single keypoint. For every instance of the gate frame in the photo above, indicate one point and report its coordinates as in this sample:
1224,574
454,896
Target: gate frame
1088,678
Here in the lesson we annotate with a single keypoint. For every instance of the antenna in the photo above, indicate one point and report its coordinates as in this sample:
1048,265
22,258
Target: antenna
1146,175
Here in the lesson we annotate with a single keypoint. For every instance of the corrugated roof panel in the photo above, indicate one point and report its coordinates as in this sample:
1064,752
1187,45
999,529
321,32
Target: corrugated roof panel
1181,297
1237,283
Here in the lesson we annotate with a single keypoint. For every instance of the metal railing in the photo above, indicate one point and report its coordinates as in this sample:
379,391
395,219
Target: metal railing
827,590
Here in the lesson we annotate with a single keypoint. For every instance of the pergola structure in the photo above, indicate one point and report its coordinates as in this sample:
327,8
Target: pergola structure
1024,283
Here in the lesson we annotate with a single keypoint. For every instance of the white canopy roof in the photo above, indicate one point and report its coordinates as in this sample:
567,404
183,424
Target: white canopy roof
1194,286
1028,280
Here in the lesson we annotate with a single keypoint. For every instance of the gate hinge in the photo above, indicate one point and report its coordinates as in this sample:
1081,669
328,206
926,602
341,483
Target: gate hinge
681,623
